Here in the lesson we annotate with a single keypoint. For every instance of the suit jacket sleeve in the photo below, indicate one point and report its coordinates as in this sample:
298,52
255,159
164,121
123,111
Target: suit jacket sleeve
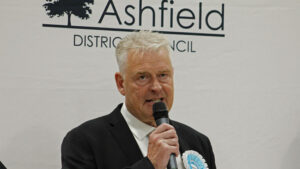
77,153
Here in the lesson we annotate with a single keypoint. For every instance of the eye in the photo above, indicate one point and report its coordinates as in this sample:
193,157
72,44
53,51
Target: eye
163,75
142,79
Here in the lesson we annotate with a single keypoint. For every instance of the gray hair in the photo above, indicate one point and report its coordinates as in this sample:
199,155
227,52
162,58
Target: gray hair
140,42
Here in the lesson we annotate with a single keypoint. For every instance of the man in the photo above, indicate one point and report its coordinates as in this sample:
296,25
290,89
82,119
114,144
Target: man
128,137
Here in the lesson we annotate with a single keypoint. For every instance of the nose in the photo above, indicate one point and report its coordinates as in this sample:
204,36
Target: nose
156,86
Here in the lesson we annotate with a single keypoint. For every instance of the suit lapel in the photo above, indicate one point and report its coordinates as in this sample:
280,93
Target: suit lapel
123,136
183,144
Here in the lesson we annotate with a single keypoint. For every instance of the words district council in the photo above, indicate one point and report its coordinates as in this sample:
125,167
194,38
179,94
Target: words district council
111,42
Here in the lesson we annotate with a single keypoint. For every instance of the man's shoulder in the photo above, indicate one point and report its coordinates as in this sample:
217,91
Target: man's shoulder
87,130
94,126
91,125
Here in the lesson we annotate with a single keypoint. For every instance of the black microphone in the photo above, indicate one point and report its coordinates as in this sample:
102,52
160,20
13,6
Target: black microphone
160,113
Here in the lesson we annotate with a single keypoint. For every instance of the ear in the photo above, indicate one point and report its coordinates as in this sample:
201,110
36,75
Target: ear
120,83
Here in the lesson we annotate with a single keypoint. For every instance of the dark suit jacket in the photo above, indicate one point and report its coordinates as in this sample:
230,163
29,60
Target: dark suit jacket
107,143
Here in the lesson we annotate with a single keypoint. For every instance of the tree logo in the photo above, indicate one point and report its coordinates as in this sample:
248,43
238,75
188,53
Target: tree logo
77,8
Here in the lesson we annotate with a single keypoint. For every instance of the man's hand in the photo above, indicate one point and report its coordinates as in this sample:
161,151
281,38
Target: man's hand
163,141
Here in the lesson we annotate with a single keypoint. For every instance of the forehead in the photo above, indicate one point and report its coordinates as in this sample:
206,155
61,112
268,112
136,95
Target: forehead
150,60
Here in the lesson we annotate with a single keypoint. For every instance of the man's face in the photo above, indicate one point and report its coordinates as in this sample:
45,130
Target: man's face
148,78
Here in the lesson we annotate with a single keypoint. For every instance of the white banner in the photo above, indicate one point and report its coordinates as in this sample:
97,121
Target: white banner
236,74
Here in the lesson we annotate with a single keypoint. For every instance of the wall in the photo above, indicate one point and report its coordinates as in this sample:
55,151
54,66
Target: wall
238,84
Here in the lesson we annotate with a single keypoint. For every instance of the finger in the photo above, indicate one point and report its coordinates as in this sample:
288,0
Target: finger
169,137
174,149
166,131
169,134
170,145
163,127
171,142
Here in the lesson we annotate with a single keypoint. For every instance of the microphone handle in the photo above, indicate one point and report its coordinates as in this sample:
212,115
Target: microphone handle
162,120
172,161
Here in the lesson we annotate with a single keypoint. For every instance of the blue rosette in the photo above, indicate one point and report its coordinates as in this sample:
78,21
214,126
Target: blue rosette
193,160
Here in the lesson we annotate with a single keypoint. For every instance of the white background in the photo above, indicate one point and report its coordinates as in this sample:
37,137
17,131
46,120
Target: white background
242,91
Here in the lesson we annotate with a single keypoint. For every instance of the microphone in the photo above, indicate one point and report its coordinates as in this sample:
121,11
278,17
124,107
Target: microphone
160,113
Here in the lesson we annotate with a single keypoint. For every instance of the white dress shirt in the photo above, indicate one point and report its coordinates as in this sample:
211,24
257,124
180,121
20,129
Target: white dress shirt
140,131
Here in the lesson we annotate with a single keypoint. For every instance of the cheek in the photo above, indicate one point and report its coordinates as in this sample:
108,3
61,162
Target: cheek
169,89
137,93
141,93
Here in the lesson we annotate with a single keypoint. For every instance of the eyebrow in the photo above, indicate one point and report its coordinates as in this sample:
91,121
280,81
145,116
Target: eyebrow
139,73
163,71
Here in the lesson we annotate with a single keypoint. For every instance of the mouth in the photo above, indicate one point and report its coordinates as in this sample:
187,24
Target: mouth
154,100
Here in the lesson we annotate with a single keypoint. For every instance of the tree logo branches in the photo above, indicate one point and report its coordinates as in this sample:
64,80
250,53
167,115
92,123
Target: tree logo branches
77,8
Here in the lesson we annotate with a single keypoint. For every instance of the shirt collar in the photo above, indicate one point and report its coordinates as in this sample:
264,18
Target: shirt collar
139,129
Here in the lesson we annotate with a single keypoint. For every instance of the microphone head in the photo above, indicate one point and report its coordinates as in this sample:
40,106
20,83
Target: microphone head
160,110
